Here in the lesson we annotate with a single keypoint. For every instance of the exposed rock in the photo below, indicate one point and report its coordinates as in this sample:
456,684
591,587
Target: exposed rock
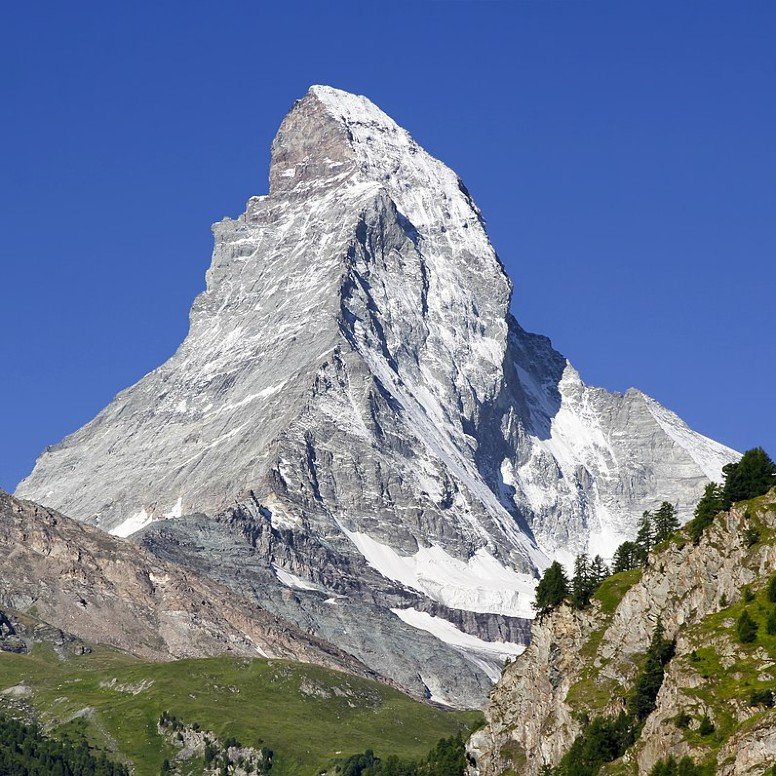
583,663
107,590
353,377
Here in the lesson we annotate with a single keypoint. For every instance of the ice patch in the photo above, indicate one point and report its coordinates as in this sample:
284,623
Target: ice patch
132,524
481,584
488,655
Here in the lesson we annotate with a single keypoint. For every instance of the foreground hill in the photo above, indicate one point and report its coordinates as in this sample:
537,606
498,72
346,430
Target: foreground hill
288,717
589,677
106,590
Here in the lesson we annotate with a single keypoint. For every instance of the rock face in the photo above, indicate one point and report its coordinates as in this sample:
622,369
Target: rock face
582,664
107,590
354,385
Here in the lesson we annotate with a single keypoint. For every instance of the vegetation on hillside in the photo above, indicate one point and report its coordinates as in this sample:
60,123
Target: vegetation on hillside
308,716
25,751
750,623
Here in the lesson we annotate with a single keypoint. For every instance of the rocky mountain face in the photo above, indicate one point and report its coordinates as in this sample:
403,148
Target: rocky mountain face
358,430
107,590
582,664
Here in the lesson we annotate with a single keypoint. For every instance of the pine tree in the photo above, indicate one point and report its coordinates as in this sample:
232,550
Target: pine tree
626,557
644,540
599,571
581,582
710,505
665,522
753,475
746,628
770,623
642,701
552,589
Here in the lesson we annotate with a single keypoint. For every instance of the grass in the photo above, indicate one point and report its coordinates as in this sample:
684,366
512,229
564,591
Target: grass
306,714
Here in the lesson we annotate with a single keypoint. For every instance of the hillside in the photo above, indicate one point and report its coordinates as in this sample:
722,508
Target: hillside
306,715
584,667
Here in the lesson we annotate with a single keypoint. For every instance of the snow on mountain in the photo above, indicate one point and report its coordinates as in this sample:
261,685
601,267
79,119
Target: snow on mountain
355,395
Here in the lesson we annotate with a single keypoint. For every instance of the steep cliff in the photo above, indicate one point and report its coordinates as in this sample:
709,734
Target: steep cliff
582,664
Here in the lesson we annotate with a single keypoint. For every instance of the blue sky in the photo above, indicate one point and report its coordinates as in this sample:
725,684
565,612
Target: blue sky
624,155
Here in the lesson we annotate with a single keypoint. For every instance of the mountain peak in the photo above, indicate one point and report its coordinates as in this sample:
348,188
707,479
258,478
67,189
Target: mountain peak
331,137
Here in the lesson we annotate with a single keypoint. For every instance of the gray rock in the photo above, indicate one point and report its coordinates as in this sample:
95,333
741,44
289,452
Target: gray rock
352,371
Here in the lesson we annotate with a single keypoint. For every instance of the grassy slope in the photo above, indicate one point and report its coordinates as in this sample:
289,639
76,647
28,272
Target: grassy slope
254,700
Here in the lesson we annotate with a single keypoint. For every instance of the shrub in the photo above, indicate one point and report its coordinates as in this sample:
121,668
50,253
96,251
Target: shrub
746,628
723,602
682,720
747,594
761,698
751,536
706,728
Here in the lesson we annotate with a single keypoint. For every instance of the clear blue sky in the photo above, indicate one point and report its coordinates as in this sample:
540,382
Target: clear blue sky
623,153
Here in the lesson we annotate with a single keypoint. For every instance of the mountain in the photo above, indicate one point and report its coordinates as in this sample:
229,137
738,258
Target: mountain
106,590
583,666
358,433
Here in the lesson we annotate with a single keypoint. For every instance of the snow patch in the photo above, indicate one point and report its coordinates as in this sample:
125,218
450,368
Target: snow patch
297,583
132,524
481,584
488,655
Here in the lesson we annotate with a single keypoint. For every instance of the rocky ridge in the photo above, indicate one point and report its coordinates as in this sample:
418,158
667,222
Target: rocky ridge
582,663
95,587
354,386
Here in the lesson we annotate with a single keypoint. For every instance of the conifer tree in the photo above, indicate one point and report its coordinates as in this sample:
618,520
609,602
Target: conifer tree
599,571
644,538
710,504
626,557
754,475
746,628
552,589
581,587
665,522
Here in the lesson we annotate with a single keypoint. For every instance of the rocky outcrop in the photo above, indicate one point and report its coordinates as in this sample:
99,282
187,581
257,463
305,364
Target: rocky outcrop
106,590
582,663
354,382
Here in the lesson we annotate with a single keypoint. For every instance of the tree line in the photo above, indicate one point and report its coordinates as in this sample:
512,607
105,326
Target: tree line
753,475
447,758
25,751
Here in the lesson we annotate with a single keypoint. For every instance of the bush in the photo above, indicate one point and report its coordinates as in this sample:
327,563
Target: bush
751,536
706,728
770,623
747,594
746,628
761,698
682,720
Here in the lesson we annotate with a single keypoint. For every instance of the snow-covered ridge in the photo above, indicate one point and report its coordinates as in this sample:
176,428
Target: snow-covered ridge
711,456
